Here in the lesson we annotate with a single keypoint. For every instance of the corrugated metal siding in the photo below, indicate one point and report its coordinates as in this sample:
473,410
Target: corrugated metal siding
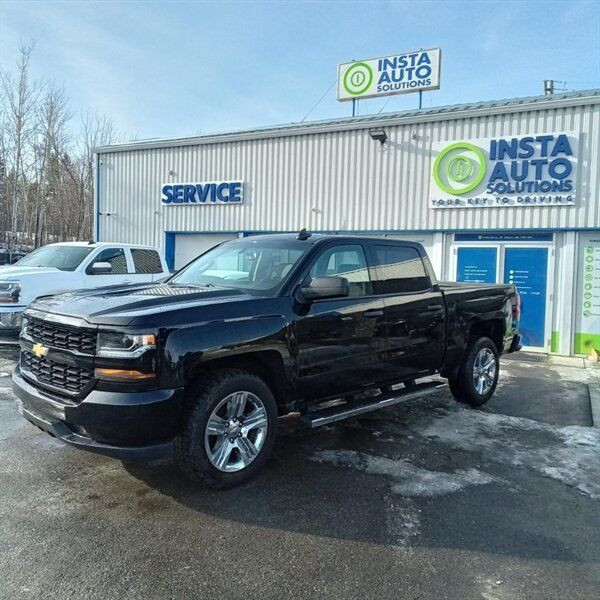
341,180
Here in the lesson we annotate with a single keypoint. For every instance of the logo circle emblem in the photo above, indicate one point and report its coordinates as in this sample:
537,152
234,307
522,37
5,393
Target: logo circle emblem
461,163
358,78
459,168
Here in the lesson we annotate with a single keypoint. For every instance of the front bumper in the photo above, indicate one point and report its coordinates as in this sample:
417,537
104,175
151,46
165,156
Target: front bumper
125,425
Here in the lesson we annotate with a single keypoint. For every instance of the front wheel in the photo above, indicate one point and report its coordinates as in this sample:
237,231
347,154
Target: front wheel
477,377
230,429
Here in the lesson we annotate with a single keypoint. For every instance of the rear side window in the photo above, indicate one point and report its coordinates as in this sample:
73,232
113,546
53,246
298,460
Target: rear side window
116,258
146,261
345,261
399,270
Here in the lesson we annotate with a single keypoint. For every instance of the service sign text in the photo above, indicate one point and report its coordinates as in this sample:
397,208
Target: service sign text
205,193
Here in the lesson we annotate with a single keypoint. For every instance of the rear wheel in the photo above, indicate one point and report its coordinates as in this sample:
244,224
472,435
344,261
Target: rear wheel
230,429
477,377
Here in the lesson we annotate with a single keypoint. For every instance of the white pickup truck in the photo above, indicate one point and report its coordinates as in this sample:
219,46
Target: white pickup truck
71,266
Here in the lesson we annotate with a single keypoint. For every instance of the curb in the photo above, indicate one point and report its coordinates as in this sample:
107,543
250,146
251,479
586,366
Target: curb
594,389
567,361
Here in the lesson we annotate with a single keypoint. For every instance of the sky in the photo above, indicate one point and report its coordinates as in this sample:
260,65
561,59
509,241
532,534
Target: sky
169,69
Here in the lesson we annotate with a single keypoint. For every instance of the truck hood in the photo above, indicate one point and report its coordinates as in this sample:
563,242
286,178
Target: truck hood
16,273
120,305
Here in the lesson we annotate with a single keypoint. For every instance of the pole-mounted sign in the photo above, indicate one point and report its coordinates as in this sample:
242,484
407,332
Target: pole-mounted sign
417,71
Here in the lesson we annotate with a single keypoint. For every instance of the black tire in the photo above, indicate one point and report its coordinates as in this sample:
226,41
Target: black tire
190,447
462,384
456,387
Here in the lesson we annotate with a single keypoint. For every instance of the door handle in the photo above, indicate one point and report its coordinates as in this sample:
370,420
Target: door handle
372,313
434,307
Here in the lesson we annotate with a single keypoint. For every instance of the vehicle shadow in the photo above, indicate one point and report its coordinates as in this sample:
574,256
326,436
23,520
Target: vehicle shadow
372,479
290,493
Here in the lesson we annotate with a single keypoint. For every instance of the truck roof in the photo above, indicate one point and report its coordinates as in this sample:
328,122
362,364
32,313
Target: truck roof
321,237
101,244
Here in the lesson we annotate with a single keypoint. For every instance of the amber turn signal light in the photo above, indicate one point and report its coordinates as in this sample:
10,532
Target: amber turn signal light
122,375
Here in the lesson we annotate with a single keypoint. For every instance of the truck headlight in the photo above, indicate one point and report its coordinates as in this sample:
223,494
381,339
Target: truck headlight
124,345
10,292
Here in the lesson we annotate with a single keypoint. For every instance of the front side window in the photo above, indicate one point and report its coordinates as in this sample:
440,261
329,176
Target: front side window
116,258
345,261
146,261
65,258
255,265
399,270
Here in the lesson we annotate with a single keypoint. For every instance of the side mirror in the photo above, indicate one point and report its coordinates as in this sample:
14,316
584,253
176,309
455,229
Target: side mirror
325,287
101,268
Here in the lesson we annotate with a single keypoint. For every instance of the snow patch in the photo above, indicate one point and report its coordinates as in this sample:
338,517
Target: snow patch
402,522
570,455
407,479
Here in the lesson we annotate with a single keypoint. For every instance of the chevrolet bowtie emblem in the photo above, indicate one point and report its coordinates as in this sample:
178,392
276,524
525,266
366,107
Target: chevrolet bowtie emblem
39,350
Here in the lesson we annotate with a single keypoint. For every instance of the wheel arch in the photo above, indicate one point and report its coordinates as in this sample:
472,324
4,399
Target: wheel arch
269,365
490,328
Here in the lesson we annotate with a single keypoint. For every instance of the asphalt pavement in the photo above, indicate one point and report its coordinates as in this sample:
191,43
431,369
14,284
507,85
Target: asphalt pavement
427,499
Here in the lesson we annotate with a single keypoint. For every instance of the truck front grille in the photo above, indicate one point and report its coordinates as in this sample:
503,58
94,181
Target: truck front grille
64,379
59,336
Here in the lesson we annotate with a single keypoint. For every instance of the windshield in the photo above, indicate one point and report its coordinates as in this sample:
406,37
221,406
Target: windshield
65,258
259,265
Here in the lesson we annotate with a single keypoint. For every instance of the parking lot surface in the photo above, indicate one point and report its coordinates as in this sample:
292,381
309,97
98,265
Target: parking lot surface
428,499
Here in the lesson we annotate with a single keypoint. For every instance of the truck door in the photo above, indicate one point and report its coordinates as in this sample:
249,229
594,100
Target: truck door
119,273
341,341
414,309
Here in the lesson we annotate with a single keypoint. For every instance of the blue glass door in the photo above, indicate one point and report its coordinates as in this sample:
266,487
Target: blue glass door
527,269
476,264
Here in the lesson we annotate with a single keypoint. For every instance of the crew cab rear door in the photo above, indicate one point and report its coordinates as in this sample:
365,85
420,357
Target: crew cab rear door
414,307
147,265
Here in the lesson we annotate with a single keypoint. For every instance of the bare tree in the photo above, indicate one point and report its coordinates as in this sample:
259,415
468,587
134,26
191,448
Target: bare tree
21,98
96,130
46,165
52,141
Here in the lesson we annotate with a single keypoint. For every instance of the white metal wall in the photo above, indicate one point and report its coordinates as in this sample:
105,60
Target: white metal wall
335,181
190,245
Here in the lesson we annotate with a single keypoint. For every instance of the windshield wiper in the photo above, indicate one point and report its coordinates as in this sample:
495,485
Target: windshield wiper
197,285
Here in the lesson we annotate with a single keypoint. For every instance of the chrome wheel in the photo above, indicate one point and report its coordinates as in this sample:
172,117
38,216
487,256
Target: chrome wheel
484,371
236,431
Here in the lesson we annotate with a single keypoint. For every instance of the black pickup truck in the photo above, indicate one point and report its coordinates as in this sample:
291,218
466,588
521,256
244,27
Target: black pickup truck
204,363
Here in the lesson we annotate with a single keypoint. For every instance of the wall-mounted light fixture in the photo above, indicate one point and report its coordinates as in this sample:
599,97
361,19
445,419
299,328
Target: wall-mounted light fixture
378,135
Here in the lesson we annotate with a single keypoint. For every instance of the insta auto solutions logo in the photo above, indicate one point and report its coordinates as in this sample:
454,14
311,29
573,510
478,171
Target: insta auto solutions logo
358,78
459,168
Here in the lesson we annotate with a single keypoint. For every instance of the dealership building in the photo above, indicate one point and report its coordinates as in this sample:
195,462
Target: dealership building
501,191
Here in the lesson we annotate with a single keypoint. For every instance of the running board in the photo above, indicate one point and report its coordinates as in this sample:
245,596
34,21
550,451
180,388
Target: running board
317,418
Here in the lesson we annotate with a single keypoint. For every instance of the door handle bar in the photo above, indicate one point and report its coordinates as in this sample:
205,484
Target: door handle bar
374,312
